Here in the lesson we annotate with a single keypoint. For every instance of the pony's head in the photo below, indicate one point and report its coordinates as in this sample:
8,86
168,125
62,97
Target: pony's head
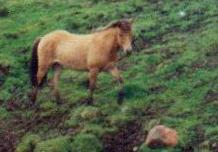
124,36
124,33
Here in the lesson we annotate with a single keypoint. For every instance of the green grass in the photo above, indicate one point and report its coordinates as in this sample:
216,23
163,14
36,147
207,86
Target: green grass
170,78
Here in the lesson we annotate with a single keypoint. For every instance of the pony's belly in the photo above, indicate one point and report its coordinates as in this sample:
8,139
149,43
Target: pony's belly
77,67
73,64
72,58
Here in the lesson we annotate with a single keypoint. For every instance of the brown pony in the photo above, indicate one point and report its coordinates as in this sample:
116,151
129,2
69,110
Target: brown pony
93,52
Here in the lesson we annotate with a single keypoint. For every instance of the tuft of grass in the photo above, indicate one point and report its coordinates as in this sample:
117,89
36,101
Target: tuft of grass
28,143
60,144
86,143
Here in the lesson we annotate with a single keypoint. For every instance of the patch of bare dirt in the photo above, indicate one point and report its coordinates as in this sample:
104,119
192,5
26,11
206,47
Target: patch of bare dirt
8,141
12,130
211,96
211,58
4,69
126,139
157,89
175,74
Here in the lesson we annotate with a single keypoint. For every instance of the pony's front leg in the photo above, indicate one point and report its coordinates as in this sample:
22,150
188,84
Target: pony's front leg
116,74
93,73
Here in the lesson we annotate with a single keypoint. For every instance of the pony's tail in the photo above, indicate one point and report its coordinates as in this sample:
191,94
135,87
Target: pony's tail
34,63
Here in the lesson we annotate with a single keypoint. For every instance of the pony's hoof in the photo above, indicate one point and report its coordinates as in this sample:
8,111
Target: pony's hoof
32,98
33,106
89,101
32,102
59,100
120,97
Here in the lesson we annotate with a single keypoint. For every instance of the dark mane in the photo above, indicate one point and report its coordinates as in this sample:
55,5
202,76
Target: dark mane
124,25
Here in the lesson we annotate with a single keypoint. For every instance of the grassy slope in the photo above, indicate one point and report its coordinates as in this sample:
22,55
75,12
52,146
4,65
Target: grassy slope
171,78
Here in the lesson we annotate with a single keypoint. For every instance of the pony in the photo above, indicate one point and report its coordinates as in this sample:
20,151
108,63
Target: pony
94,52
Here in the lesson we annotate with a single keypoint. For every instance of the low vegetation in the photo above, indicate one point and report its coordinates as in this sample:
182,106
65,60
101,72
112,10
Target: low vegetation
171,78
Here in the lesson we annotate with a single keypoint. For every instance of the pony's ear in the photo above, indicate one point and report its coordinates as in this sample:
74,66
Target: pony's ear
116,24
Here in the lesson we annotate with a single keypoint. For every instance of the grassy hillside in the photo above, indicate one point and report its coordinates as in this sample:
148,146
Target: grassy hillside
171,78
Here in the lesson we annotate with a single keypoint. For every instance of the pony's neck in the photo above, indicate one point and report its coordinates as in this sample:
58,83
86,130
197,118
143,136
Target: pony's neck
109,36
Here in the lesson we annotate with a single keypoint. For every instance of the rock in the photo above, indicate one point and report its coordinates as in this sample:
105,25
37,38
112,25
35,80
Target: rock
214,146
161,136
135,148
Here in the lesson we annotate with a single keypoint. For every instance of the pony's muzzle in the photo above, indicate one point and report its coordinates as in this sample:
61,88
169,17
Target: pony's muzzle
128,51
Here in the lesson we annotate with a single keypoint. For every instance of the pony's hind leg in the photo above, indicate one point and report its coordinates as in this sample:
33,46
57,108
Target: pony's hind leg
41,74
57,73
33,95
